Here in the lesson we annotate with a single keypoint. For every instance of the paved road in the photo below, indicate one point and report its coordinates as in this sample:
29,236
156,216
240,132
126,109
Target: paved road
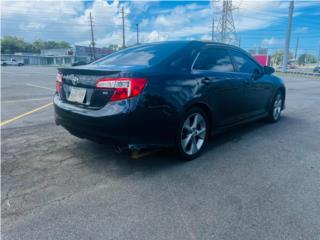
260,181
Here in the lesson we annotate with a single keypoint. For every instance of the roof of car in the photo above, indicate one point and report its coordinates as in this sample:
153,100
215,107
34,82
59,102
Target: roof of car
200,42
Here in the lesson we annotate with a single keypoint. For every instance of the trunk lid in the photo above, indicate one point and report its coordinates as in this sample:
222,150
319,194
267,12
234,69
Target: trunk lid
79,84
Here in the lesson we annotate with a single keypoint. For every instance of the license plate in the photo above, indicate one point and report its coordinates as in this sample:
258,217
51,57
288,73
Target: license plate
77,94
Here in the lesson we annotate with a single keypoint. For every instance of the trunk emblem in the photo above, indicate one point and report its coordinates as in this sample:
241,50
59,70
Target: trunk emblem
74,79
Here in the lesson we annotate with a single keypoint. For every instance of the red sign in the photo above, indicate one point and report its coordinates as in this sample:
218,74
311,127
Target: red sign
264,60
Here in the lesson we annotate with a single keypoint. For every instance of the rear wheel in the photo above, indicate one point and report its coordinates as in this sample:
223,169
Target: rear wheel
192,134
276,108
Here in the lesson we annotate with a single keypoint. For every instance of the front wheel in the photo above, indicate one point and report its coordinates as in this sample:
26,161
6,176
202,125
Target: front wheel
276,108
192,134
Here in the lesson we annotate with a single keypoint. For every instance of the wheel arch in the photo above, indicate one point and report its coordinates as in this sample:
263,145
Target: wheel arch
209,113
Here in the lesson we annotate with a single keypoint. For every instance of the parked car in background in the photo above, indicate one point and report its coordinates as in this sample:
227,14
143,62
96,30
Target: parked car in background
166,94
316,69
11,62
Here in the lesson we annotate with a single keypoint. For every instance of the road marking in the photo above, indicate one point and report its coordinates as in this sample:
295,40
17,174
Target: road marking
24,114
26,100
37,86
140,154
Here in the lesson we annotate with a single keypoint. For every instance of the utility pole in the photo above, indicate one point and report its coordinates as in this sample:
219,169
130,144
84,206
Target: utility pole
123,32
92,40
296,51
212,30
319,58
287,43
226,29
137,25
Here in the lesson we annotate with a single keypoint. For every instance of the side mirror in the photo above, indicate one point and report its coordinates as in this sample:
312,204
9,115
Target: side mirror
268,70
256,74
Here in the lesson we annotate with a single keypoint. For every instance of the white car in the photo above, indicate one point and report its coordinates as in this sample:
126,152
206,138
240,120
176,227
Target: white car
11,62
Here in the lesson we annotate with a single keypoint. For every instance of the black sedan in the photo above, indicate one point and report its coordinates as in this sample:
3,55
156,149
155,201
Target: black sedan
166,94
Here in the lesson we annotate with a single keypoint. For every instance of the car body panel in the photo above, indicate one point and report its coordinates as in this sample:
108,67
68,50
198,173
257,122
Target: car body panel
153,117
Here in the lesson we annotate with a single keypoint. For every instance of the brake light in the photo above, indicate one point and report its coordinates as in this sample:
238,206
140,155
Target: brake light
59,82
124,87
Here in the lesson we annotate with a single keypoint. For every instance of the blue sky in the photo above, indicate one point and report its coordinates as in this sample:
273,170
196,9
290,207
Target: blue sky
258,23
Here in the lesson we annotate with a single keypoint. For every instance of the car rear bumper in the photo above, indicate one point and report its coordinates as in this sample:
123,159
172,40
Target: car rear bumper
108,124
117,123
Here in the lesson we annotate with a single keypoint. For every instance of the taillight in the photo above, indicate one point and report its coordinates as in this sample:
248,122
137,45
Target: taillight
124,87
59,82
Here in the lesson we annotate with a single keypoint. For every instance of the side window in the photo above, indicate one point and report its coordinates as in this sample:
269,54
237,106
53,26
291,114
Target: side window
243,63
214,59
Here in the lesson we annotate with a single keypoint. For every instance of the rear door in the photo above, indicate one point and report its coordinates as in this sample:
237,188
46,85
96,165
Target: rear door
223,87
258,88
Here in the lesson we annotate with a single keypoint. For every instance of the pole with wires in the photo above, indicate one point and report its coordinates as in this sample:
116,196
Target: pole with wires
93,54
123,31
212,27
137,25
296,51
287,43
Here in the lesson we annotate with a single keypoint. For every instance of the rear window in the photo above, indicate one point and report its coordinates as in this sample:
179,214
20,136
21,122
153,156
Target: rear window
143,55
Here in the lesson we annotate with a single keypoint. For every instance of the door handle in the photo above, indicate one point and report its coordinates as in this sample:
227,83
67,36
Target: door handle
205,80
247,82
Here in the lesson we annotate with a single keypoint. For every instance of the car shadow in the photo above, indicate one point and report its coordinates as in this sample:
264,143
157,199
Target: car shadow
103,158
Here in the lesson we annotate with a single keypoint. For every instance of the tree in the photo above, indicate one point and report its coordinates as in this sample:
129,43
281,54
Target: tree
306,59
11,44
114,47
277,57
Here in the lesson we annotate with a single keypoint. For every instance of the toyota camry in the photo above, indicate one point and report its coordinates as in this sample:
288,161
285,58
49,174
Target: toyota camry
166,94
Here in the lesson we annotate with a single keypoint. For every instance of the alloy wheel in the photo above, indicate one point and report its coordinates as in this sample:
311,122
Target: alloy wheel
277,106
193,133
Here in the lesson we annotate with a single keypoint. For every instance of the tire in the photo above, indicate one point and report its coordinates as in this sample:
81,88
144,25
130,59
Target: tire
192,136
276,107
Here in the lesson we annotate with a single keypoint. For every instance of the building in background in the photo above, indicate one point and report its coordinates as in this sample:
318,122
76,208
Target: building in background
65,56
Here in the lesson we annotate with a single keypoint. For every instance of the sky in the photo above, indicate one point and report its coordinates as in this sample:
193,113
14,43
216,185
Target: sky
258,23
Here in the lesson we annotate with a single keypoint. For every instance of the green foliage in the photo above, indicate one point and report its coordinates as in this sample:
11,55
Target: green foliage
306,59
277,57
114,47
11,44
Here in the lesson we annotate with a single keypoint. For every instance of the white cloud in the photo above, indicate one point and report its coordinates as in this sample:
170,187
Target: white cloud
63,20
302,30
272,41
69,19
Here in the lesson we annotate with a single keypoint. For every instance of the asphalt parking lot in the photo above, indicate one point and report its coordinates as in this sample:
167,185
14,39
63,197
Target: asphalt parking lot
259,181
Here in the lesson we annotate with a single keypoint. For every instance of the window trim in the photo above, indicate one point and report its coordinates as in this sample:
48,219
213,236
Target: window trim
247,56
215,47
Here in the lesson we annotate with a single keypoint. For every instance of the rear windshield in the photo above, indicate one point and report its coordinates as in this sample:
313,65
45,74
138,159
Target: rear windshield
143,55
